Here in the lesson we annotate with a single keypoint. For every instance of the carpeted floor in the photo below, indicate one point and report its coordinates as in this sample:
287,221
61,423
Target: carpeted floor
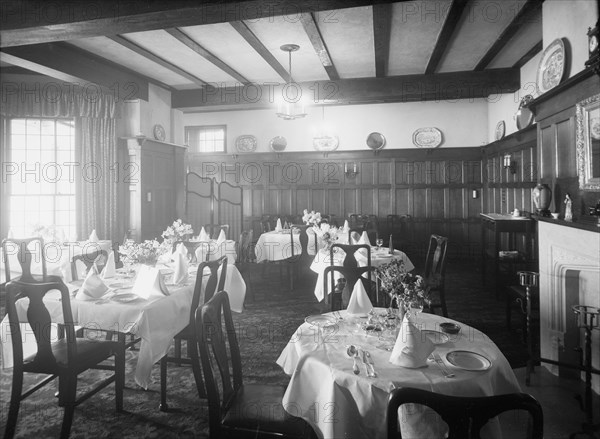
270,318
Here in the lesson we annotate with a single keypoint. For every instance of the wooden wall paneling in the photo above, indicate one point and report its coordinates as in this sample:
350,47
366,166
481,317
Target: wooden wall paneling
384,172
350,201
366,201
318,203
566,158
546,150
302,200
456,205
403,201
384,203
419,174
334,204
437,203
419,203
404,172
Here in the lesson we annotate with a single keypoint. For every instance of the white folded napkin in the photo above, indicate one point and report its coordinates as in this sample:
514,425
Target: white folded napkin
364,239
221,239
203,236
359,303
11,234
149,282
93,288
346,226
109,269
412,348
180,274
278,227
93,236
181,249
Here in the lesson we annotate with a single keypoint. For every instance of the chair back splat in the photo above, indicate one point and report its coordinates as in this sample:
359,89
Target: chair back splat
435,271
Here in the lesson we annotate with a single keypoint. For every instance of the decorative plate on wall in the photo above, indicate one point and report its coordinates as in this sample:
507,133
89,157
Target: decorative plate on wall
325,143
159,132
428,137
245,143
500,130
375,141
278,143
552,66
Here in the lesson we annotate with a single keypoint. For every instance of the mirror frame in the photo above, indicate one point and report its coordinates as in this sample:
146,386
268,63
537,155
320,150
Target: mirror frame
583,144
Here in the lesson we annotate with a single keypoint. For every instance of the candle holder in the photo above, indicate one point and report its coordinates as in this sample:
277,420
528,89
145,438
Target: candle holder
351,170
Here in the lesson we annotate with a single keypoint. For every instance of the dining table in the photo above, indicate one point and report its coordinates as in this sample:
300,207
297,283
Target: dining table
341,401
276,245
155,320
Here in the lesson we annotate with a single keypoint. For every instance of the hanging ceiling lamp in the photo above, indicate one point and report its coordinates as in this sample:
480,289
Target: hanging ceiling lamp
290,105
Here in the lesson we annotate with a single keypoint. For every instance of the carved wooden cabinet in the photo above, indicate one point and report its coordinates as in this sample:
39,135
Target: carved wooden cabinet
155,180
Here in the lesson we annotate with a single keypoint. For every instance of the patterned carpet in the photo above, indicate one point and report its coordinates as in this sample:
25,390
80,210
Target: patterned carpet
270,318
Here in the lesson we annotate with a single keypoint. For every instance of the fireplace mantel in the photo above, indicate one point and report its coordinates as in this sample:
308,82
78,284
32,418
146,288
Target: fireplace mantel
581,223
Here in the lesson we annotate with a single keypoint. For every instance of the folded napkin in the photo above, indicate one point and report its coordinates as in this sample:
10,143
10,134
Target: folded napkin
93,236
278,227
364,239
93,288
203,236
180,274
11,234
181,249
221,239
149,282
109,269
346,226
359,303
412,348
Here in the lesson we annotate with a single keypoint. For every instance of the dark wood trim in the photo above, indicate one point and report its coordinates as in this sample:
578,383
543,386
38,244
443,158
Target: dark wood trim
260,48
409,88
76,66
512,141
445,35
527,11
314,34
155,58
530,54
189,42
382,25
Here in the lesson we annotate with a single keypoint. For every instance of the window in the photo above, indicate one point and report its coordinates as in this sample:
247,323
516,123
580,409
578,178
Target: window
206,138
41,176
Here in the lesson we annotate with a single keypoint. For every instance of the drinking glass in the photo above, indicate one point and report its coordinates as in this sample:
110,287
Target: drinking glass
379,243
416,306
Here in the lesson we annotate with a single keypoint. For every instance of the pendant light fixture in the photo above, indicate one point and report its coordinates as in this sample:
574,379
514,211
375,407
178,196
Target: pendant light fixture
290,105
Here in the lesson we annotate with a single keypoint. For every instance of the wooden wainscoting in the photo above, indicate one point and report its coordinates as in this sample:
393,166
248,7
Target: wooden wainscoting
435,187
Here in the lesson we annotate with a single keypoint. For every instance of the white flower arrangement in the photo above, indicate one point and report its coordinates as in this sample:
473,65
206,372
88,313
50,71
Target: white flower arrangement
146,252
327,233
312,217
178,231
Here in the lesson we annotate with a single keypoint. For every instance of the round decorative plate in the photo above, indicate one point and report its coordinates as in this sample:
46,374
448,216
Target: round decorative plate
159,132
468,360
500,130
245,143
278,144
552,66
375,141
325,143
320,320
428,137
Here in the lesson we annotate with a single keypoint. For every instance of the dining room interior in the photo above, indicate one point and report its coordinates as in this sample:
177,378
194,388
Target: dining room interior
395,196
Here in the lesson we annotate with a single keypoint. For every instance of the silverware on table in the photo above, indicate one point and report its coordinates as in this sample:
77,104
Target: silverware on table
352,352
442,365
368,366
371,363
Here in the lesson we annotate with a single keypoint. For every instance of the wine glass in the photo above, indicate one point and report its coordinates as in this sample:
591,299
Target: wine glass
379,242
416,306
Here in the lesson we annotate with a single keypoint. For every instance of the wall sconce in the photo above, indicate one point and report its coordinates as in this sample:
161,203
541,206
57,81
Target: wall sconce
351,170
509,164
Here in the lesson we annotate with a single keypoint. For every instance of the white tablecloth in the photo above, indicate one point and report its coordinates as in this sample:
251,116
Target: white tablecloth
155,321
214,250
378,257
277,246
338,404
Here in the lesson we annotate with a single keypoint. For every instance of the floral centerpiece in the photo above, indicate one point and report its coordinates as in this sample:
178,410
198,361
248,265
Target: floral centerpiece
402,287
328,234
146,252
311,218
49,233
178,231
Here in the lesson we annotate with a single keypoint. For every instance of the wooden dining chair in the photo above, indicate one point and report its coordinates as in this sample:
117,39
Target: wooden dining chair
26,251
465,416
350,270
300,260
214,230
238,410
202,292
64,358
246,259
98,257
435,272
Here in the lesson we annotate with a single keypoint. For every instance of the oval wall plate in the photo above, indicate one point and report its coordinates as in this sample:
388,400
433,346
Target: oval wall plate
428,137
245,143
278,144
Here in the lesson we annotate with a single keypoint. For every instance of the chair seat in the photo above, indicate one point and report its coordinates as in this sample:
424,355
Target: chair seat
258,408
89,353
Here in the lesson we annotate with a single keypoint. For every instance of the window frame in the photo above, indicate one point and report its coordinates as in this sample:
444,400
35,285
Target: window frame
188,128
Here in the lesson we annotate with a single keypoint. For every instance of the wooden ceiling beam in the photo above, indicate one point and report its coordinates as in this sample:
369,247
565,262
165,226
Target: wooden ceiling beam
260,48
382,27
530,54
157,59
76,66
189,42
410,88
445,35
314,34
524,16
40,21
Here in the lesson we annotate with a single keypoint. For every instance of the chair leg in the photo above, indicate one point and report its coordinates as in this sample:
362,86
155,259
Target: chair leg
67,384
177,353
15,402
119,376
163,407
196,368
443,301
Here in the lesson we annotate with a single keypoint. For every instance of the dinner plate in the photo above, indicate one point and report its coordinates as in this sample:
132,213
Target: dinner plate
468,360
320,320
124,298
436,337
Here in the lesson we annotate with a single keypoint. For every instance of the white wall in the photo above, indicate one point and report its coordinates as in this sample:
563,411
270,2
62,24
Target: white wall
462,123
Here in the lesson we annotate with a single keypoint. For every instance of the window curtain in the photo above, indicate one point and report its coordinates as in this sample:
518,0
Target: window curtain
95,117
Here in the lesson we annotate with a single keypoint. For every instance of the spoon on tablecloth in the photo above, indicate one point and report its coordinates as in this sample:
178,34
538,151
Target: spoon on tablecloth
353,353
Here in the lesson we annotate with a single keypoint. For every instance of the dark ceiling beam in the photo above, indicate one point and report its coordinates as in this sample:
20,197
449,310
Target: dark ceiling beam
445,35
260,48
76,66
382,26
157,59
185,39
312,30
40,21
530,54
410,88
524,16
